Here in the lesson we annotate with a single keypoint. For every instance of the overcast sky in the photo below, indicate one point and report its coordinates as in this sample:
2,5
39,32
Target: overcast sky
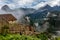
28,3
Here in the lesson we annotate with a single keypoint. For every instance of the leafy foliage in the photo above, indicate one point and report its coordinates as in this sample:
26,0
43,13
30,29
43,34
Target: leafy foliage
17,37
57,38
42,36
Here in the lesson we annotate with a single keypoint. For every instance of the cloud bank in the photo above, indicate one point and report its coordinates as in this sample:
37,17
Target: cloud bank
52,3
16,3
28,3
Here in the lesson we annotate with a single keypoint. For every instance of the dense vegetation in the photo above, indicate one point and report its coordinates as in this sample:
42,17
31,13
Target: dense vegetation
4,35
41,36
17,37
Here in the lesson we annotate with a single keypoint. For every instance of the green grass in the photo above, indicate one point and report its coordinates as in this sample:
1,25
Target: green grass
25,37
58,38
17,37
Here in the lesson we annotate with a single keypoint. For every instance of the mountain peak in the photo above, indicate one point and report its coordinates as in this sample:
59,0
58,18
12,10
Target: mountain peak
6,8
47,5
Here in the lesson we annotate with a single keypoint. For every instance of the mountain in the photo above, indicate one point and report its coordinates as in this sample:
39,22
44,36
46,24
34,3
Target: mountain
46,7
6,8
34,14
56,8
49,8
43,11
18,12
40,13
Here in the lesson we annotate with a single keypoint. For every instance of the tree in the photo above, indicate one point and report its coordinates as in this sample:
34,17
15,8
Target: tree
51,24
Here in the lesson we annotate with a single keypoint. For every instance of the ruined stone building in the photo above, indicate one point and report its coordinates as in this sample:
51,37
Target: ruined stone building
14,27
8,18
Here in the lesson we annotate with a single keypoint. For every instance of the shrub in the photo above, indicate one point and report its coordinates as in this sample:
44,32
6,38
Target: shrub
17,37
42,36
